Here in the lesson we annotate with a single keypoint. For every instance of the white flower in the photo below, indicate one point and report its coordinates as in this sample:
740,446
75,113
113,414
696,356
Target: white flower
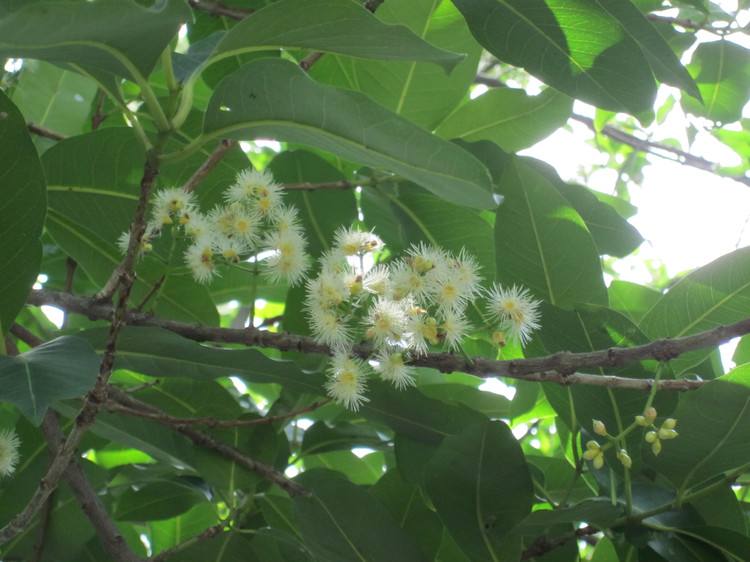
352,242
328,327
328,289
466,270
230,248
246,226
9,444
286,219
446,291
453,328
346,382
334,262
200,259
423,257
172,202
222,219
123,242
376,280
516,311
385,321
406,281
422,331
392,368
289,260
247,185
198,226
269,199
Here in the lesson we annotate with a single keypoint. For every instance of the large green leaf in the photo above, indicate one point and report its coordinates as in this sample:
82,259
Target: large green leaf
479,483
543,243
22,208
717,293
333,26
63,368
409,88
157,500
714,428
574,45
274,98
113,36
93,190
508,117
722,71
341,522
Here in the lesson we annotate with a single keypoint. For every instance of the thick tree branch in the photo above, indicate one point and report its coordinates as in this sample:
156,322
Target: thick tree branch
560,367
543,545
214,158
207,442
98,394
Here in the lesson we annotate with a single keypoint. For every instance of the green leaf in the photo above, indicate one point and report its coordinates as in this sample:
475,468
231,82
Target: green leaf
408,88
543,243
332,26
722,71
728,542
508,117
341,522
157,500
631,299
605,552
717,293
94,177
301,111
663,61
22,208
575,46
114,36
171,532
598,511
714,431
65,367
479,483
322,211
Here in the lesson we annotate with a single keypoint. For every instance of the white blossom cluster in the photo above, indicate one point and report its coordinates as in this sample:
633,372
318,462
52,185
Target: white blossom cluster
404,309
252,221
9,444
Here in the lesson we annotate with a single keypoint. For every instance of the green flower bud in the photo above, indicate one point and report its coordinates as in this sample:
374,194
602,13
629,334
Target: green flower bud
656,447
650,414
600,428
641,420
667,434
651,437
591,454
598,461
669,423
624,458
592,445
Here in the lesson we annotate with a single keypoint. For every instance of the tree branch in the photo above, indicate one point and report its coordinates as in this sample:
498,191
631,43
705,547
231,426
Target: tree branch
219,9
543,545
44,132
214,158
206,441
98,394
560,367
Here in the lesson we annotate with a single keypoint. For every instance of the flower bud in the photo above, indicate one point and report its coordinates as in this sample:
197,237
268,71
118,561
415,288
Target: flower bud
641,420
669,423
598,461
593,445
624,458
656,447
651,437
667,434
600,428
498,338
650,414
590,454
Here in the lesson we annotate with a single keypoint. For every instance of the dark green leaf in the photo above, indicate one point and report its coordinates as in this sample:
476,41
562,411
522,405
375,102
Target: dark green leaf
158,500
63,368
21,212
301,111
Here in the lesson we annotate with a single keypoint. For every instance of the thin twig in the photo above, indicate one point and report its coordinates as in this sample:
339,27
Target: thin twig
219,9
543,545
561,368
98,117
206,441
207,534
166,419
313,186
155,289
214,158
44,132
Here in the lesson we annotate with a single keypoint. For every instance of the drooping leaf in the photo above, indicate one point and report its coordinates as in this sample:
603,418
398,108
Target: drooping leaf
65,367
480,485
22,208
543,243
302,111
575,46
508,117
408,88
341,522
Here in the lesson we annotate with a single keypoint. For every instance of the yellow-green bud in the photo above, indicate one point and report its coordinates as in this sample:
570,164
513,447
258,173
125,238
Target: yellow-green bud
598,461
592,445
624,458
669,423
641,420
650,414
656,447
590,454
498,338
651,437
600,428
667,434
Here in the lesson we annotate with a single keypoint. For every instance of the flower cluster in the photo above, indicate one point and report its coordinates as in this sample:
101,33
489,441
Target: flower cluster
252,221
655,435
403,309
9,444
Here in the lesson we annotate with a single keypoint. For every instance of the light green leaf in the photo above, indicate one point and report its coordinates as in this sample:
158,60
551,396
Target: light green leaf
631,299
114,36
480,486
157,500
22,208
572,45
722,72
63,368
543,243
346,123
333,26
508,117
409,88
341,522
